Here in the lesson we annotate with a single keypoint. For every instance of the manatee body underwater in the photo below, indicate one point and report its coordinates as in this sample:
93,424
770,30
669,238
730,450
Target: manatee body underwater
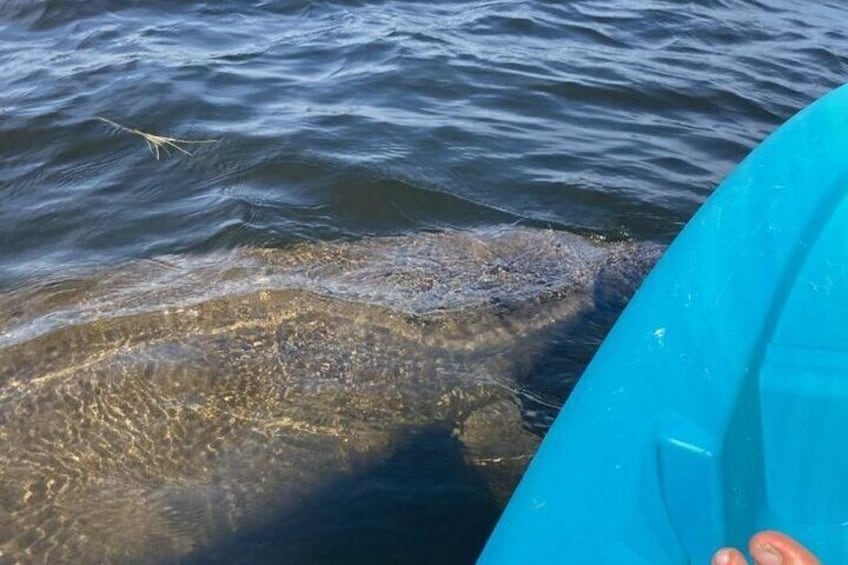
156,410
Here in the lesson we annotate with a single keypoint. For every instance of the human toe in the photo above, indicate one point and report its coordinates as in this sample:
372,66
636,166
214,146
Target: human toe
774,548
728,556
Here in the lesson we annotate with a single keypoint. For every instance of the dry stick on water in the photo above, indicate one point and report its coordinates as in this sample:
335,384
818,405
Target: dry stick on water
158,142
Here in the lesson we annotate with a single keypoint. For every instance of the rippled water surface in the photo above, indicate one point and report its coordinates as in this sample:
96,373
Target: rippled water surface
360,120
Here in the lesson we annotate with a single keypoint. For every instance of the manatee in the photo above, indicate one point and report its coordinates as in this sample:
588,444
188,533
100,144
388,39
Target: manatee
153,409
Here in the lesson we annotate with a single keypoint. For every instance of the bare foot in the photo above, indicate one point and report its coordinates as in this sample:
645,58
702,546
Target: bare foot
768,548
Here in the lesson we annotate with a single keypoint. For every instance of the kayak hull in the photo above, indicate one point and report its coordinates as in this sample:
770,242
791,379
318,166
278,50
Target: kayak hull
718,404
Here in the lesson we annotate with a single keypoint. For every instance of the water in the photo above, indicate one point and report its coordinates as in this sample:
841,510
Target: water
352,120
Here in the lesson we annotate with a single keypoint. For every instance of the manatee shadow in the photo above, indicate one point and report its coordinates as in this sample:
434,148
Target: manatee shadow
423,504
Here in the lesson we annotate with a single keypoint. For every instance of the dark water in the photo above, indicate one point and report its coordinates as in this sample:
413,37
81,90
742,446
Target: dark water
359,119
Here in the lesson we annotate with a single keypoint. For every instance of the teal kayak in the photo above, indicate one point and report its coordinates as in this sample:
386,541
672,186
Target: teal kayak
718,404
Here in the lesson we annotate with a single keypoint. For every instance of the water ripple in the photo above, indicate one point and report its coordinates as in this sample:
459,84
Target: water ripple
345,118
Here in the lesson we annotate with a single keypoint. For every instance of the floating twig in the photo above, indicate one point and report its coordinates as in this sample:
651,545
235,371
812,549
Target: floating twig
157,143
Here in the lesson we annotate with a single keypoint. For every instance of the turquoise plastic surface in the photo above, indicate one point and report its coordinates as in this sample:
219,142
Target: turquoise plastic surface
718,404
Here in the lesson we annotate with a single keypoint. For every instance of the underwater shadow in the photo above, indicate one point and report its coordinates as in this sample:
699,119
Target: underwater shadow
423,504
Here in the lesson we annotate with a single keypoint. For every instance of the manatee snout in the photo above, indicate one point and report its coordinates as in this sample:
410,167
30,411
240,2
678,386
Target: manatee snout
622,272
